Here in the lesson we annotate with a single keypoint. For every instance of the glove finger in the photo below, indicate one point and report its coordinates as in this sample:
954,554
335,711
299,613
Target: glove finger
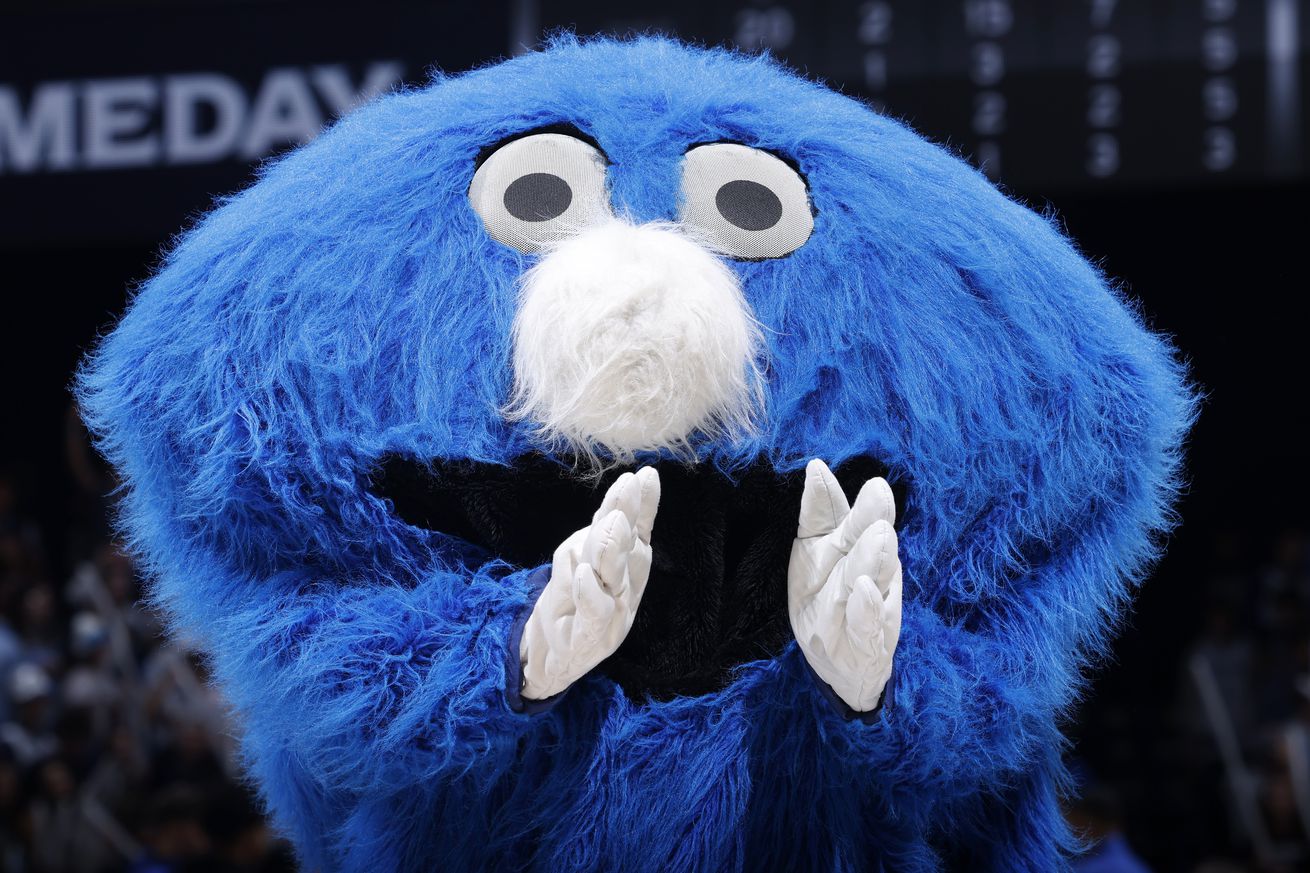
891,611
555,665
596,535
568,554
595,610
557,618
864,618
830,603
889,560
872,551
874,503
803,578
639,561
630,499
607,551
612,498
823,505
649,502
556,600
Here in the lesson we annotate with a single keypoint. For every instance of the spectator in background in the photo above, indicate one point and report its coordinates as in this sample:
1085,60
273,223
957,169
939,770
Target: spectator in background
15,824
91,683
115,752
242,838
39,627
11,651
1095,816
64,836
172,832
27,734
1285,800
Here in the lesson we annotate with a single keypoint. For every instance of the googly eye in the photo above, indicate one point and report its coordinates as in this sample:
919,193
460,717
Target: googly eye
537,189
750,203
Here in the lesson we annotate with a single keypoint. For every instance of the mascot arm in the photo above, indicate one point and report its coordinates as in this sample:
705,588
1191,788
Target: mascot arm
975,703
973,714
384,687
971,700
966,704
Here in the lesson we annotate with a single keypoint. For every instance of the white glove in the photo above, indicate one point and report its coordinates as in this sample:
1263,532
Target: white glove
844,586
596,581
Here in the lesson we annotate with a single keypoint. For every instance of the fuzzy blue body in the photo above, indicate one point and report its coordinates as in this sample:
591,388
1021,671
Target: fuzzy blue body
350,304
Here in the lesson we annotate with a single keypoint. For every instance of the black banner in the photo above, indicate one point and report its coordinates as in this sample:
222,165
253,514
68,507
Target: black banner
119,124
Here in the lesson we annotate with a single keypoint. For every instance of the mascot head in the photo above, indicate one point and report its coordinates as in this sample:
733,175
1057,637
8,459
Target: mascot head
427,339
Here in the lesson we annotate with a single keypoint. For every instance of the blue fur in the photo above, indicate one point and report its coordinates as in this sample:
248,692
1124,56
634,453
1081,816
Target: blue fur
350,304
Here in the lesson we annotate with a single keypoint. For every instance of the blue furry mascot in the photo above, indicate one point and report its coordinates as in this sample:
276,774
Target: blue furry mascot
636,457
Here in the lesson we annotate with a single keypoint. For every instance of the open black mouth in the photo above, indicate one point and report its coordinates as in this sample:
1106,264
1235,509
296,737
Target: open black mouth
717,595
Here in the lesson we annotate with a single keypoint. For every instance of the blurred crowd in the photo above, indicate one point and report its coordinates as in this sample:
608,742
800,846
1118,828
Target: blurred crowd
1199,756
1244,717
117,755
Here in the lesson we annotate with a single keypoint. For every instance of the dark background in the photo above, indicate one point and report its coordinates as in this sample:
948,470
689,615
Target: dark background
1169,137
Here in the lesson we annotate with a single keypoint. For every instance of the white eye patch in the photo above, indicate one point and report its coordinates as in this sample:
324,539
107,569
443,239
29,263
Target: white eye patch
535,190
751,204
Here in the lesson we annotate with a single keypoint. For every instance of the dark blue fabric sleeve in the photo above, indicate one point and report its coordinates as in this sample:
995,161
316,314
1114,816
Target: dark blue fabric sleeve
843,709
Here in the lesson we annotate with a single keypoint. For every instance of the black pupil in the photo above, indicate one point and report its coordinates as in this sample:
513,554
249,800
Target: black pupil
749,205
538,197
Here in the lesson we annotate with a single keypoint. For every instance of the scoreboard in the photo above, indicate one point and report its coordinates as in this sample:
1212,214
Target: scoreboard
117,122
1040,94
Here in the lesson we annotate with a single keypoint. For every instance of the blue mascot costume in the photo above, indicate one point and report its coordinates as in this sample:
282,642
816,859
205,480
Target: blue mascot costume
636,457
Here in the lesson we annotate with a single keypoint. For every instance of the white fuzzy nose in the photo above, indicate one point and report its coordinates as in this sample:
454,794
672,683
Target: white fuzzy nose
632,338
